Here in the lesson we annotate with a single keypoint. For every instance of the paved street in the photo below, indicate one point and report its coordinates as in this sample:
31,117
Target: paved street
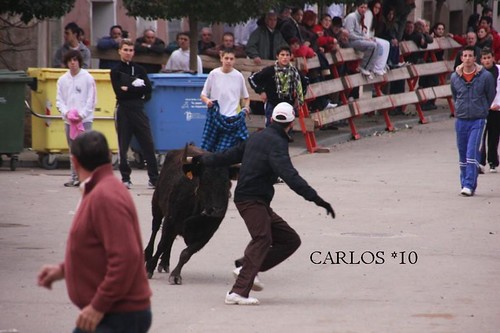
406,252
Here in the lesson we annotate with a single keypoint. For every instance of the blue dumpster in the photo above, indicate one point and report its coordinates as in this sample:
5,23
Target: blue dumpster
176,113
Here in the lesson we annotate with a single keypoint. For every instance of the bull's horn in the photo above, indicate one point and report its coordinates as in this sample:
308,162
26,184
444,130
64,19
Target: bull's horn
189,159
184,156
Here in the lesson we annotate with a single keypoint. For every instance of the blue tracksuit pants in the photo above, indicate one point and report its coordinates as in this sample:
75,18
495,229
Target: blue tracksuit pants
469,134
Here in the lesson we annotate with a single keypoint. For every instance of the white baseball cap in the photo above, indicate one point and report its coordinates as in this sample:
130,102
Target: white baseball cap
283,113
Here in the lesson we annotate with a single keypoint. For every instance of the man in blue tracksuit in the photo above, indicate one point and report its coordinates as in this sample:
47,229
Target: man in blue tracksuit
473,90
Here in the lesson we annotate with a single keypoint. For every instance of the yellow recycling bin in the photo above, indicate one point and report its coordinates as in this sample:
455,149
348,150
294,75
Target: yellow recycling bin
48,135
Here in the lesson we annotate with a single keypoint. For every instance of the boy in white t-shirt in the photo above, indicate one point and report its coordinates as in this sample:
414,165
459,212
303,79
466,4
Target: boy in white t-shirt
222,93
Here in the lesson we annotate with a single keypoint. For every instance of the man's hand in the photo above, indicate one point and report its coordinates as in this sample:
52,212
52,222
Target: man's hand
88,319
48,274
322,203
263,97
257,60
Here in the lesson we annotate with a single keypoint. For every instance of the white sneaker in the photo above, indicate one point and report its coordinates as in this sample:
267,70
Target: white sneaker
493,169
466,192
257,285
379,73
364,71
233,298
331,105
128,184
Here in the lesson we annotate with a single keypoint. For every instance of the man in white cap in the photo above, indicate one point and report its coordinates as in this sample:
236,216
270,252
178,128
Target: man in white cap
264,157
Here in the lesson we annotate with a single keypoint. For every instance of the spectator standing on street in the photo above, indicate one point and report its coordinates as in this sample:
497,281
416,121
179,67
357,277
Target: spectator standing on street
264,157
206,41
491,135
470,40
104,264
149,44
290,27
110,42
222,93
82,38
281,82
265,41
76,100
227,43
473,91
179,60
71,42
402,9
132,88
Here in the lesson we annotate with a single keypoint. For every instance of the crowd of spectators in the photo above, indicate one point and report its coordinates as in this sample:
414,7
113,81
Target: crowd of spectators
375,28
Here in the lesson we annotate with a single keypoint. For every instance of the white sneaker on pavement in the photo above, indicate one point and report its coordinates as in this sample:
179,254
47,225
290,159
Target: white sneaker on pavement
466,192
257,285
233,298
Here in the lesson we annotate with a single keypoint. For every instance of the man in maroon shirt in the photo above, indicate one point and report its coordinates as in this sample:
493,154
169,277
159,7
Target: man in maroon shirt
104,265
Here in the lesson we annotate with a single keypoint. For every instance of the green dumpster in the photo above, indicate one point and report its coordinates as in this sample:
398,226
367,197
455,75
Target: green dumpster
12,92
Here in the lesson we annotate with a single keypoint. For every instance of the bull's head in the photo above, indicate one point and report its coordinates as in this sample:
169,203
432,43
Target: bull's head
212,186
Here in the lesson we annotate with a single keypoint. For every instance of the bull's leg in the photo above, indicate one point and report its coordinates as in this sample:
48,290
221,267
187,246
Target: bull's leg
175,276
155,226
163,249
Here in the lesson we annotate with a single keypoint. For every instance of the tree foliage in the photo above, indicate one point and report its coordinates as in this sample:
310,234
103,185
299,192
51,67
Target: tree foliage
39,9
214,11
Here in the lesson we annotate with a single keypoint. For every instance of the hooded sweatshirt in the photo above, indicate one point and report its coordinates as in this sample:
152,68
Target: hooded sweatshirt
76,92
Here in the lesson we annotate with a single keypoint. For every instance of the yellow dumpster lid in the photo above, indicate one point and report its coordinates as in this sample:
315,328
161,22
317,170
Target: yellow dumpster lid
43,74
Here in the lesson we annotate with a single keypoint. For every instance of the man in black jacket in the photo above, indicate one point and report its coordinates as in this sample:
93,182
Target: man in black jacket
281,82
264,157
149,44
132,87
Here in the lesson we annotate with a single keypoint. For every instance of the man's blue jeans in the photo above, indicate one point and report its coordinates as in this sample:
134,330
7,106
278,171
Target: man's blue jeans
268,109
124,322
469,134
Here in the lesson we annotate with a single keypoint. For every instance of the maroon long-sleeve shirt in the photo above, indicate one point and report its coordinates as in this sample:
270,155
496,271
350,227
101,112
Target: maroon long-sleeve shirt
104,263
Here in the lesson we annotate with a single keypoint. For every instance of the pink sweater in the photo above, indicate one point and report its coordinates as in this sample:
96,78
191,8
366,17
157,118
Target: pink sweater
104,262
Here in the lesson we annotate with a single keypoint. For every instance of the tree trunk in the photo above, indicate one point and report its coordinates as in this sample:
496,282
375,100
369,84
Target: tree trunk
437,13
193,44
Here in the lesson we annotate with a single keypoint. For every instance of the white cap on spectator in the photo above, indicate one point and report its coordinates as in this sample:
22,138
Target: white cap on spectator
283,113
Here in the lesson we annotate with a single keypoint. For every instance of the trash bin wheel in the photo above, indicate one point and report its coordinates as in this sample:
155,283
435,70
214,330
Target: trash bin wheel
14,161
46,163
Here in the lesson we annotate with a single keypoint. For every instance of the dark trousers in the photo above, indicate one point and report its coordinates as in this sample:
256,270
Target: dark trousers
124,322
133,121
273,240
491,138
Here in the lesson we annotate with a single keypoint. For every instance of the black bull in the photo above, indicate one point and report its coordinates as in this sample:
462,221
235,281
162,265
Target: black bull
192,203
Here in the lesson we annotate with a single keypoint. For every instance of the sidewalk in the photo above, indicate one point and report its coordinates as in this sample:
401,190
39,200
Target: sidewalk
366,125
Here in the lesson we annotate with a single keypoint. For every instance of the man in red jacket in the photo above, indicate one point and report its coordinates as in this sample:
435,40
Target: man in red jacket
104,264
